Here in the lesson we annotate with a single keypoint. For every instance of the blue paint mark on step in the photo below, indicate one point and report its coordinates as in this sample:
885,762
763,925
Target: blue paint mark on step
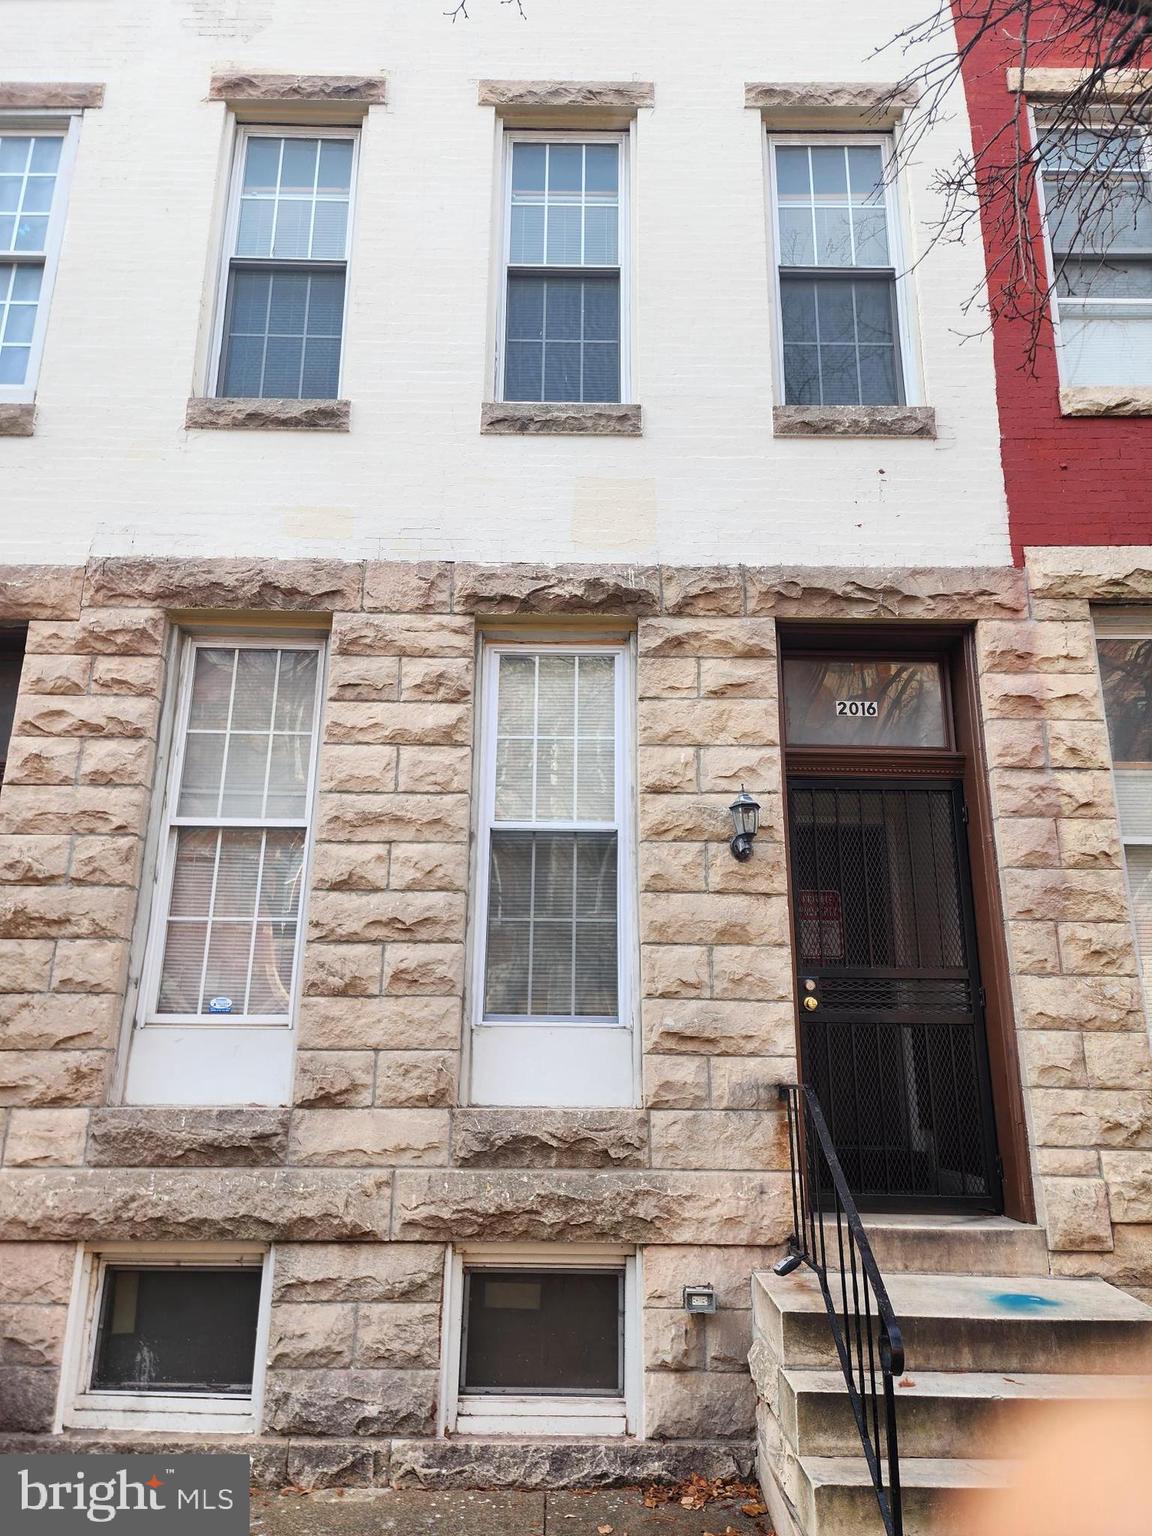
1023,1301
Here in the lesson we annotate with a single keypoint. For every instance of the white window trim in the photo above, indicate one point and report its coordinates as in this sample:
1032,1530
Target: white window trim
624,138
551,1039
905,303
244,132
250,1056
537,1413
1035,119
47,123
178,1412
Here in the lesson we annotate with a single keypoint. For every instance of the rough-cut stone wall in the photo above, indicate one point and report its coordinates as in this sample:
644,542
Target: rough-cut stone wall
362,1182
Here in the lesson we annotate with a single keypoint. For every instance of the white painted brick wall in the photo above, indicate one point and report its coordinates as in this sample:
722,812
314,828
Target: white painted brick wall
111,468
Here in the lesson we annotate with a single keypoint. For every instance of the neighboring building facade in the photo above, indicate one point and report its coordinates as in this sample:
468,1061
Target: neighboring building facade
530,435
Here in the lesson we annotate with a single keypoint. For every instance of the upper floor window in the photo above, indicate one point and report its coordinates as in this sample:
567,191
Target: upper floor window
33,171
564,291
837,245
1098,203
286,264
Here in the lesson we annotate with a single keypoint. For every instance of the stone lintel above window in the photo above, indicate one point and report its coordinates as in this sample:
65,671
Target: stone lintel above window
229,414
1096,400
578,95
866,105
854,421
527,418
17,419
361,90
37,95
1056,84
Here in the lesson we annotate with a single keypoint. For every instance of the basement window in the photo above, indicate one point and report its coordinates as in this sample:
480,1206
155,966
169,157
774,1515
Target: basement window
11,660
543,1345
168,1340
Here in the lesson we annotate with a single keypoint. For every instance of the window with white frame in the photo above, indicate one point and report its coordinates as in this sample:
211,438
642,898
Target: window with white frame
34,164
167,1337
225,936
284,282
1124,645
554,878
837,245
1097,190
542,1339
563,299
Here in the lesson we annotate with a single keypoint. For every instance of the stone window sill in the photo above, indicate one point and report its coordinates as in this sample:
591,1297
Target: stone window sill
529,418
17,418
854,421
213,413
1136,401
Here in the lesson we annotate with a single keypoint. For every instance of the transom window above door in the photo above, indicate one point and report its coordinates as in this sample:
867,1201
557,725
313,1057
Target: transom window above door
838,264
836,701
563,287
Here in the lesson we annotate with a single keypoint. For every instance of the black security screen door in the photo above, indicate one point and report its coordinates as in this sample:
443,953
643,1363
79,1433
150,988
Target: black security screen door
891,1024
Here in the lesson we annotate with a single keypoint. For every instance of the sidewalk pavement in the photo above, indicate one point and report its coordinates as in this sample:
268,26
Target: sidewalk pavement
579,1512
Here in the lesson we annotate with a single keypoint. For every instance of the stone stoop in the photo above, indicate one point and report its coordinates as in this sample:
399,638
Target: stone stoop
981,1350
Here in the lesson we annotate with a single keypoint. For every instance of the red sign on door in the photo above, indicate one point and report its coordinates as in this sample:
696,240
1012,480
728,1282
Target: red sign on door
821,922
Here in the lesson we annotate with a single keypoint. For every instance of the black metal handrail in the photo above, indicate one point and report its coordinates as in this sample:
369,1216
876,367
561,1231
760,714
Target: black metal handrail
864,1327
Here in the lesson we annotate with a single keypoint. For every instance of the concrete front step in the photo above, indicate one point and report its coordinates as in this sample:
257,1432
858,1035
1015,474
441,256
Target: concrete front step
954,1245
941,1497
939,1413
1000,1323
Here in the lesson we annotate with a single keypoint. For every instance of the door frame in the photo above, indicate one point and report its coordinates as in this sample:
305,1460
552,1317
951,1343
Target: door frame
954,646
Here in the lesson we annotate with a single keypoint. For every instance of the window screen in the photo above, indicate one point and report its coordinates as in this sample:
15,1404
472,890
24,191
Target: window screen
177,1330
284,312
238,835
553,845
546,1331
562,321
29,164
1098,201
838,313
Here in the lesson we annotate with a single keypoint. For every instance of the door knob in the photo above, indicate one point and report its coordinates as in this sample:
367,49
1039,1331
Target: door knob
811,1003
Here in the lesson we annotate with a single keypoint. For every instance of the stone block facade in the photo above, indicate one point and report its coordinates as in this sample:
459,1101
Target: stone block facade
379,1165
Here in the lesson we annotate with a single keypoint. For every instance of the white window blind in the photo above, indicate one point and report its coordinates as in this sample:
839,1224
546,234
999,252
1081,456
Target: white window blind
1098,205
237,834
552,881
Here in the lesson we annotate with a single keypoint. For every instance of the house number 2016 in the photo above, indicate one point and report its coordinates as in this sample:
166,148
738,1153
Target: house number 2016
858,709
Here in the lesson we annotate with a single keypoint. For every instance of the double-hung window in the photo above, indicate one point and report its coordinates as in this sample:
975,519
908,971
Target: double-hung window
837,245
220,981
1124,645
34,161
564,268
552,1023
1098,206
286,264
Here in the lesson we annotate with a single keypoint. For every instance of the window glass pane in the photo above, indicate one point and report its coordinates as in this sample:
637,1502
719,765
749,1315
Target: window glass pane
294,198
829,173
1105,278
1126,677
1139,864
579,319
183,1330
544,1331
829,701
565,205
839,341
28,165
555,737
797,238
793,179
551,949
1105,346
283,335
232,922
839,218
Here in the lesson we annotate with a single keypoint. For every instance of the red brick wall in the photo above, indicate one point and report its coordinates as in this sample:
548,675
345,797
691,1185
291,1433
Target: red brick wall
1068,480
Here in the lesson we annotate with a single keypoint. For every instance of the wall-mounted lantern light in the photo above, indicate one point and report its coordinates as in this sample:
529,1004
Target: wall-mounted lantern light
699,1298
746,820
